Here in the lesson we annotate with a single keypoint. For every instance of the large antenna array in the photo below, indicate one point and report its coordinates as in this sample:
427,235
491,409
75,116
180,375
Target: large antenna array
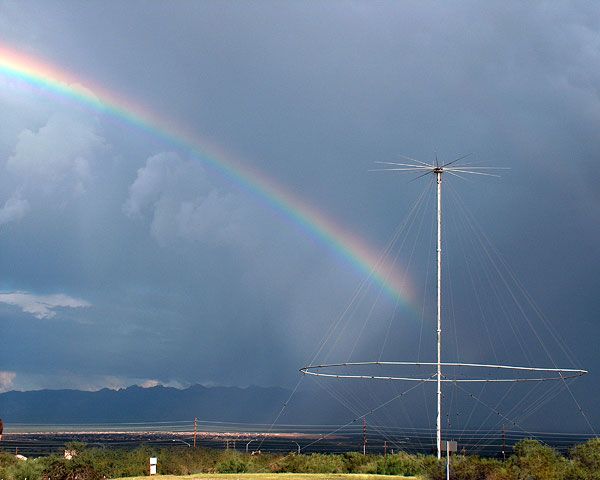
339,370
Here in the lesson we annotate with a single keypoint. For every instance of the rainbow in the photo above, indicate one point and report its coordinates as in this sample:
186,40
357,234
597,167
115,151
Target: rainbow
350,247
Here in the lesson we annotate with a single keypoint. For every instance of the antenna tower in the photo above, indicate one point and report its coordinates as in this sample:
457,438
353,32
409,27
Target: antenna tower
541,374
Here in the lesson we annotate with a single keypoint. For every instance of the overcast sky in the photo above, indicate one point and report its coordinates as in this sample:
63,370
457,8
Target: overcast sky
125,260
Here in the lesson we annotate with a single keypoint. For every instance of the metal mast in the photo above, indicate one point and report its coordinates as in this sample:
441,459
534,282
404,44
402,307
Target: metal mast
417,166
438,174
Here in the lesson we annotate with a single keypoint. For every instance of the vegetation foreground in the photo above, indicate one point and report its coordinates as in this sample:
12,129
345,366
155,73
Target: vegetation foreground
530,461
277,476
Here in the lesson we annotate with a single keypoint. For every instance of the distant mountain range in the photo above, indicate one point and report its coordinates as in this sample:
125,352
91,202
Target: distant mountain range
309,405
136,404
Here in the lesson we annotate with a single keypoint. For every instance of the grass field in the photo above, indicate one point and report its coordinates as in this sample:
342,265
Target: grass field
275,476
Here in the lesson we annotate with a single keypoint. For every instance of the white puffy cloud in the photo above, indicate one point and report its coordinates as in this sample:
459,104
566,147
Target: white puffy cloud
157,177
6,380
150,383
41,306
183,205
13,209
57,155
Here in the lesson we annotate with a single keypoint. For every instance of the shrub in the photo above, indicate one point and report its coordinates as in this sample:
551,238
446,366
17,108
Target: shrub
76,469
586,460
313,463
233,465
503,472
399,464
25,470
535,461
474,467
356,462
114,463
7,460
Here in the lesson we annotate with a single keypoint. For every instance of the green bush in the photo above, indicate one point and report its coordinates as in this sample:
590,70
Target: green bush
474,467
232,465
433,468
76,469
24,470
535,461
7,460
114,463
399,464
504,472
313,463
356,462
464,467
585,461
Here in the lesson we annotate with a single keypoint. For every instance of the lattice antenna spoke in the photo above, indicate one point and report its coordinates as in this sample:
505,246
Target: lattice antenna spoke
458,159
396,170
473,173
404,164
450,172
415,160
481,167
422,175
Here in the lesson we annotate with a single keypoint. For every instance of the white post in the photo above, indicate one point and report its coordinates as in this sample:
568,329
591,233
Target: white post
438,172
153,463
447,460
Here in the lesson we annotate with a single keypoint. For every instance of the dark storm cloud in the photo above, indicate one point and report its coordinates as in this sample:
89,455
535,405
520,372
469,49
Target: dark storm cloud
177,262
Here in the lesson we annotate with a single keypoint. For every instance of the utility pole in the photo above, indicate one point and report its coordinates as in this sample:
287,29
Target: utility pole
438,173
503,443
385,448
195,430
364,436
